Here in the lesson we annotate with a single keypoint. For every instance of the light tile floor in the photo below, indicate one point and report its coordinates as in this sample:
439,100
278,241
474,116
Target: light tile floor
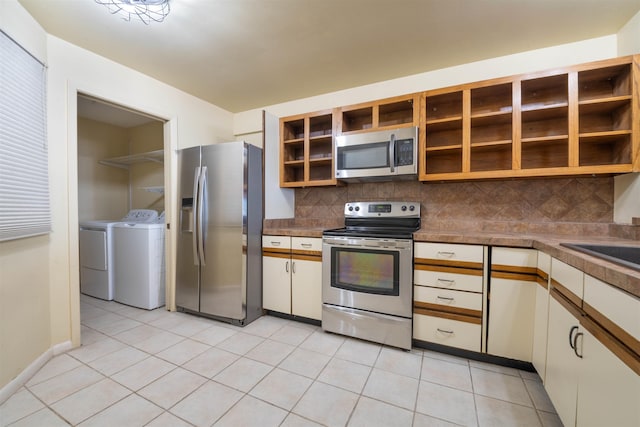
158,368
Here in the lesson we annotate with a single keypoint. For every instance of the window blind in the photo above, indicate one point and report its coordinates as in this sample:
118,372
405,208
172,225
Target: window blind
24,175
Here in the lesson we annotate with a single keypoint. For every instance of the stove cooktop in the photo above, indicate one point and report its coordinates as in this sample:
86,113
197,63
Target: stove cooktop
386,233
391,220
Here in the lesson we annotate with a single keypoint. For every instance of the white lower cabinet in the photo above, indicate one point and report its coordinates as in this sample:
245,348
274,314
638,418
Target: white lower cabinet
541,315
511,316
512,302
276,283
448,294
561,379
306,288
292,275
449,332
608,390
591,377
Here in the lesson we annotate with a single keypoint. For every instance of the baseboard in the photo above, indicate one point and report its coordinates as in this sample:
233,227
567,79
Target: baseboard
63,347
23,377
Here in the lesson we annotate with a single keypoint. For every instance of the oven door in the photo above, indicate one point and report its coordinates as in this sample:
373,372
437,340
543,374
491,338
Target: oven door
370,274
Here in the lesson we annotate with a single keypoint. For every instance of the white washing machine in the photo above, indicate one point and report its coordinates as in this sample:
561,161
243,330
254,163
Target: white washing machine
96,253
138,249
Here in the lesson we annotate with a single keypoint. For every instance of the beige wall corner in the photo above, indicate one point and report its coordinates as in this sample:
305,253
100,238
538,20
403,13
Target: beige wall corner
629,37
25,334
626,198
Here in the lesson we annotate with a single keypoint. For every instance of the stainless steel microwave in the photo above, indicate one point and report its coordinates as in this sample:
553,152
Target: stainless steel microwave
377,156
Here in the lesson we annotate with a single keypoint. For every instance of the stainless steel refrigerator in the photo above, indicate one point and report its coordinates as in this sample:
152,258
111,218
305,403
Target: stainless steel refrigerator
219,260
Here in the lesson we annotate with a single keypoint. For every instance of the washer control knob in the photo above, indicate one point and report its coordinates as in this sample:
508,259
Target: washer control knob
357,208
403,208
412,208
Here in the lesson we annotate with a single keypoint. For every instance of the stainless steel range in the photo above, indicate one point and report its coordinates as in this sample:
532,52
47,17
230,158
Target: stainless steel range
367,272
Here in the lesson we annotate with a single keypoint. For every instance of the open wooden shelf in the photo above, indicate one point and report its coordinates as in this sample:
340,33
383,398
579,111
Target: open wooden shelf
578,120
400,111
306,149
605,82
444,107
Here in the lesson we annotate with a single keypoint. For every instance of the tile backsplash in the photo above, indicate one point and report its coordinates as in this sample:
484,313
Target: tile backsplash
567,206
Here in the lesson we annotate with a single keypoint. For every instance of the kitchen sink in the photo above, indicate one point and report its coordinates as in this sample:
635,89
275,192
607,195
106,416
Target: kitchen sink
628,256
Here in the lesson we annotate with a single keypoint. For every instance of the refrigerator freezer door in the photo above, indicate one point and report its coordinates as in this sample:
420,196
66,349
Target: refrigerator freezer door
222,278
187,269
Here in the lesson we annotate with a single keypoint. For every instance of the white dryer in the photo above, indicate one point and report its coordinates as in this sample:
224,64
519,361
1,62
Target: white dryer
139,263
96,258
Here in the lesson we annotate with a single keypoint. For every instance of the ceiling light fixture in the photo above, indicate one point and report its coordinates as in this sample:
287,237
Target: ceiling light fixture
145,10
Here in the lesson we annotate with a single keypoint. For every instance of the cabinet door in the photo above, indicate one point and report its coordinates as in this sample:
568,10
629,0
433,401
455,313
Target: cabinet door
562,364
306,289
276,284
511,314
608,391
540,322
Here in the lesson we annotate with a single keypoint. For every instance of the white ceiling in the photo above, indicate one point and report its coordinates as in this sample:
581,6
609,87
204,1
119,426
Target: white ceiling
244,54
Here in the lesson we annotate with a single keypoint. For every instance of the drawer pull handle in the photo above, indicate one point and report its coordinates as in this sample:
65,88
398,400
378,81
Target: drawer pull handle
446,254
445,298
444,331
306,245
447,281
275,243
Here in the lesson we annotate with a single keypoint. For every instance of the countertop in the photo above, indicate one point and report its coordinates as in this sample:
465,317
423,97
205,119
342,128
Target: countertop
623,278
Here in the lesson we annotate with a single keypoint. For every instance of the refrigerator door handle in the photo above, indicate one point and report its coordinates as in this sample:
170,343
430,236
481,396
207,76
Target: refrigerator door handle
202,205
194,211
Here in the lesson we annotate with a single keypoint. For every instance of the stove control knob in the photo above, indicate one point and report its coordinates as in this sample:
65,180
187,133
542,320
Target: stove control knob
412,208
350,208
357,208
403,208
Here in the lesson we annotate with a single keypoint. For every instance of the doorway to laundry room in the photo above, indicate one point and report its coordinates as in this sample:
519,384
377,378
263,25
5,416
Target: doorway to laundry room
121,204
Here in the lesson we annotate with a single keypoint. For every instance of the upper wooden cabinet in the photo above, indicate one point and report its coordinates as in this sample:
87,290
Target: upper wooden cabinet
306,147
400,111
577,120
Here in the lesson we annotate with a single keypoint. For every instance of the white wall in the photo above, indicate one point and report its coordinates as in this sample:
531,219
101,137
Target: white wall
43,302
626,196
626,201
629,37
145,175
192,121
24,280
102,190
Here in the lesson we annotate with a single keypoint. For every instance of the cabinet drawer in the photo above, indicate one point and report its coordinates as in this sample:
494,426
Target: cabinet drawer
445,280
619,310
449,298
276,242
449,252
516,257
453,333
306,244
569,278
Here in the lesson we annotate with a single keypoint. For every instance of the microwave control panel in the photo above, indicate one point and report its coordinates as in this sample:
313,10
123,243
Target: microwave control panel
404,152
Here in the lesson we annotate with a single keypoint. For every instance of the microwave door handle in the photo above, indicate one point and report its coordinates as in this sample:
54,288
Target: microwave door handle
392,152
